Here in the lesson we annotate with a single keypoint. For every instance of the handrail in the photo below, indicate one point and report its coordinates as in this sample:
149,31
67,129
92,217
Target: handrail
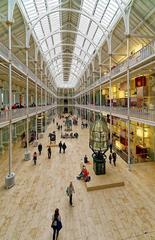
137,57
4,52
21,112
142,115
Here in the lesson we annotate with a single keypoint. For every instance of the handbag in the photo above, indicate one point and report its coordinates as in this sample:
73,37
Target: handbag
54,224
59,225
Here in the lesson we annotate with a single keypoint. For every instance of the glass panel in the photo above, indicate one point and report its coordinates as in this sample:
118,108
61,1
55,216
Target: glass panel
106,12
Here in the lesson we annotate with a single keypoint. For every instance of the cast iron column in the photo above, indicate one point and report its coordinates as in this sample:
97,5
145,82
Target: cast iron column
10,178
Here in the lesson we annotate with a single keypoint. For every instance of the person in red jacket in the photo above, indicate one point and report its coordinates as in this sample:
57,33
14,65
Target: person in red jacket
84,174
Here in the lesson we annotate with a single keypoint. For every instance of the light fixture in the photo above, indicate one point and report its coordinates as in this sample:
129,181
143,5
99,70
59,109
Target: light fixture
99,143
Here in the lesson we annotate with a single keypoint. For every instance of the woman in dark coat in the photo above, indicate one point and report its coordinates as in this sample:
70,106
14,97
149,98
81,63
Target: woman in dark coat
64,147
56,224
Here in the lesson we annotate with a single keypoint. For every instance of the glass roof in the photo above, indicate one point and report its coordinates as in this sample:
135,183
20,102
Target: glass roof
89,20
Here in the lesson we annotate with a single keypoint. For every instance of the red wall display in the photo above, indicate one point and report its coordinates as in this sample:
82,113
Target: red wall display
140,81
142,151
124,141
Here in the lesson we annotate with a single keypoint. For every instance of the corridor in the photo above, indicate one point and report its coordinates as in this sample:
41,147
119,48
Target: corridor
123,213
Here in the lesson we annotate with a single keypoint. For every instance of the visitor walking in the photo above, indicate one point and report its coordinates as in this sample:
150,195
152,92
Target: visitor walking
60,146
35,158
110,158
40,147
114,156
70,190
49,152
64,147
56,224
110,146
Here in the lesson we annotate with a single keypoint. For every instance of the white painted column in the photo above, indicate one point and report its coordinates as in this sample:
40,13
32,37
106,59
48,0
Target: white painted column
10,178
110,83
36,100
128,102
41,97
27,152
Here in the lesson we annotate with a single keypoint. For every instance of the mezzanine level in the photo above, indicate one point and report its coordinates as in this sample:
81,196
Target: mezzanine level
141,57
19,66
122,112
21,113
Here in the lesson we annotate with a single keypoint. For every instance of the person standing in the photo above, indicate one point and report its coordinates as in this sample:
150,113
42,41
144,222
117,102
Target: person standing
49,152
35,158
110,158
70,191
85,159
64,147
114,156
40,147
56,224
110,146
60,146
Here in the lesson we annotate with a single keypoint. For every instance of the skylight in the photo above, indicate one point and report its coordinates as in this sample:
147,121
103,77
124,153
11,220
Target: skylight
92,23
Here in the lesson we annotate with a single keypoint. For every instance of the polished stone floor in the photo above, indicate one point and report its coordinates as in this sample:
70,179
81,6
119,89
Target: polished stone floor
122,213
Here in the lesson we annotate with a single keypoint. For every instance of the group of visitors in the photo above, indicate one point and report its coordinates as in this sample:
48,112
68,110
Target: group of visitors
59,127
71,135
62,146
84,125
40,147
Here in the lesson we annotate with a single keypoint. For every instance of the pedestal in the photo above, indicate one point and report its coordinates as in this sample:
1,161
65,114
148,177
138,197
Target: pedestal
35,143
10,180
99,166
27,156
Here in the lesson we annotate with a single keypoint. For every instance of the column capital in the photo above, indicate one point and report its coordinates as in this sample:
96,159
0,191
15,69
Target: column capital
9,23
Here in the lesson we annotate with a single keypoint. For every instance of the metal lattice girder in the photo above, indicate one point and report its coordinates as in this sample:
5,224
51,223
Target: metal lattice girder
82,25
66,54
70,72
81,12
67,44
69,31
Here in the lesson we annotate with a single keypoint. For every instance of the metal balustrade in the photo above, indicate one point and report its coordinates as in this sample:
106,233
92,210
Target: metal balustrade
138,57
135,113
21,113
4,53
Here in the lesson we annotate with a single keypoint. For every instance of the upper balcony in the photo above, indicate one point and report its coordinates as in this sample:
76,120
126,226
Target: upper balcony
17,64
21,113
141,57
140,115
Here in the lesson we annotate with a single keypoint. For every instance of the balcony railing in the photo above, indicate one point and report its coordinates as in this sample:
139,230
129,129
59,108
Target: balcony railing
138,57
135,113
19,113
4,52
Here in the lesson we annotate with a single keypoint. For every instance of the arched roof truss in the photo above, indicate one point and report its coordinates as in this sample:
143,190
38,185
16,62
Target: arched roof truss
74,27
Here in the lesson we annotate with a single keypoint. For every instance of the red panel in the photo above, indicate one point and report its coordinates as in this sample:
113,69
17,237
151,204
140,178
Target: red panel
140,81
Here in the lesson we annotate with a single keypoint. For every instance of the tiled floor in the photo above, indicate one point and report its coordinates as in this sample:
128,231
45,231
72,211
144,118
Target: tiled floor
123,213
